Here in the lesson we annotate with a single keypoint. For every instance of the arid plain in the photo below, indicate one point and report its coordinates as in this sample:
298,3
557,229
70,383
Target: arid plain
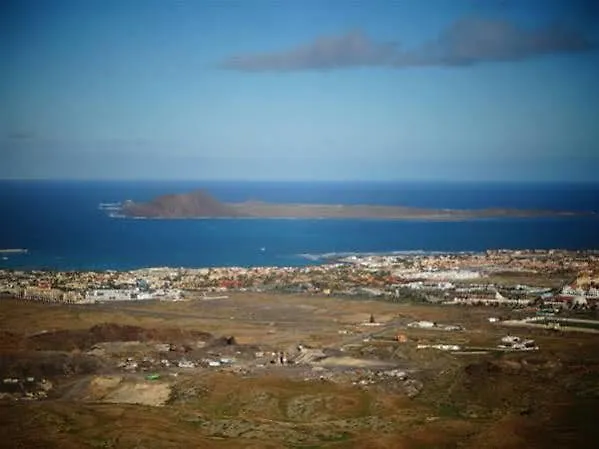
297,371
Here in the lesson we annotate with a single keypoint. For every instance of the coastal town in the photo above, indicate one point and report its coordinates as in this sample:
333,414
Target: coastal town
495,277
353,342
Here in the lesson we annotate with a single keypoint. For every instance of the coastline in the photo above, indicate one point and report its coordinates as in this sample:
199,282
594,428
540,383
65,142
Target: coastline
70,233
431,218
200,204
349,212
311,260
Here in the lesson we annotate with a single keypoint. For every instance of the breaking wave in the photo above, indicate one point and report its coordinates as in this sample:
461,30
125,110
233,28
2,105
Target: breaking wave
341,255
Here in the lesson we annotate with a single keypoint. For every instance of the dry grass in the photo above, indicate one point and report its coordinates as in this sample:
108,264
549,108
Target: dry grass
511,401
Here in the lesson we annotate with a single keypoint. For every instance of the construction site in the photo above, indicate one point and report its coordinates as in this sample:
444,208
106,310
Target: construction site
264,370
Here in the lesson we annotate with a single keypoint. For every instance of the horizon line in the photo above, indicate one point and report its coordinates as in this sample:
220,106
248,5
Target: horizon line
300,180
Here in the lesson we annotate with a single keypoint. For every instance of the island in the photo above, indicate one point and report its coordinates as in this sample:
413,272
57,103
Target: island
200,204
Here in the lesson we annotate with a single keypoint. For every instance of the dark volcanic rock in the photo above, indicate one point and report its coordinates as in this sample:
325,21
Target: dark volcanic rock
85,339
188,205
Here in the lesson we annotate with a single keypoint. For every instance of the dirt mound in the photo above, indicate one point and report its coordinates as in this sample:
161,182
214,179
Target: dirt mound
47,364
100,386
85,339
145,394
116,390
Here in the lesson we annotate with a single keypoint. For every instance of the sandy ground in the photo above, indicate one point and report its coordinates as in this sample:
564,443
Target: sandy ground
140,393
508,401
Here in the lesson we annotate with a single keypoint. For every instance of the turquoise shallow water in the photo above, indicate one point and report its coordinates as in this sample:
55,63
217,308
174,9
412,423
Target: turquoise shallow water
60,225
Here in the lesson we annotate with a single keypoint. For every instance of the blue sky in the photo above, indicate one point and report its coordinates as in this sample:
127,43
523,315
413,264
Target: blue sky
312,89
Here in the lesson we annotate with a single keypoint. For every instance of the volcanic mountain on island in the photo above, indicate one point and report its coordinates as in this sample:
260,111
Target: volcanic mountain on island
201,205
188,205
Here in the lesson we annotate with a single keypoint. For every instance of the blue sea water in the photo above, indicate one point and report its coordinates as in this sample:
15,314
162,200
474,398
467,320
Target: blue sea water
60,225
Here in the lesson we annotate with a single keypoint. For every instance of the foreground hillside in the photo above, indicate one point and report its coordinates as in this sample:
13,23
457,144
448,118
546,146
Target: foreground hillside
95,376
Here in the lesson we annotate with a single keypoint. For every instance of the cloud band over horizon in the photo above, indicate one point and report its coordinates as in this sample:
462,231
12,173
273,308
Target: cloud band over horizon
466,42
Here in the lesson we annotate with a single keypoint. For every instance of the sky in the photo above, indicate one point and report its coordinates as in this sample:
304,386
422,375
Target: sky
473,90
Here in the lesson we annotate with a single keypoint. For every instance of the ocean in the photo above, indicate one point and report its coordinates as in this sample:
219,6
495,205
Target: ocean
60,225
